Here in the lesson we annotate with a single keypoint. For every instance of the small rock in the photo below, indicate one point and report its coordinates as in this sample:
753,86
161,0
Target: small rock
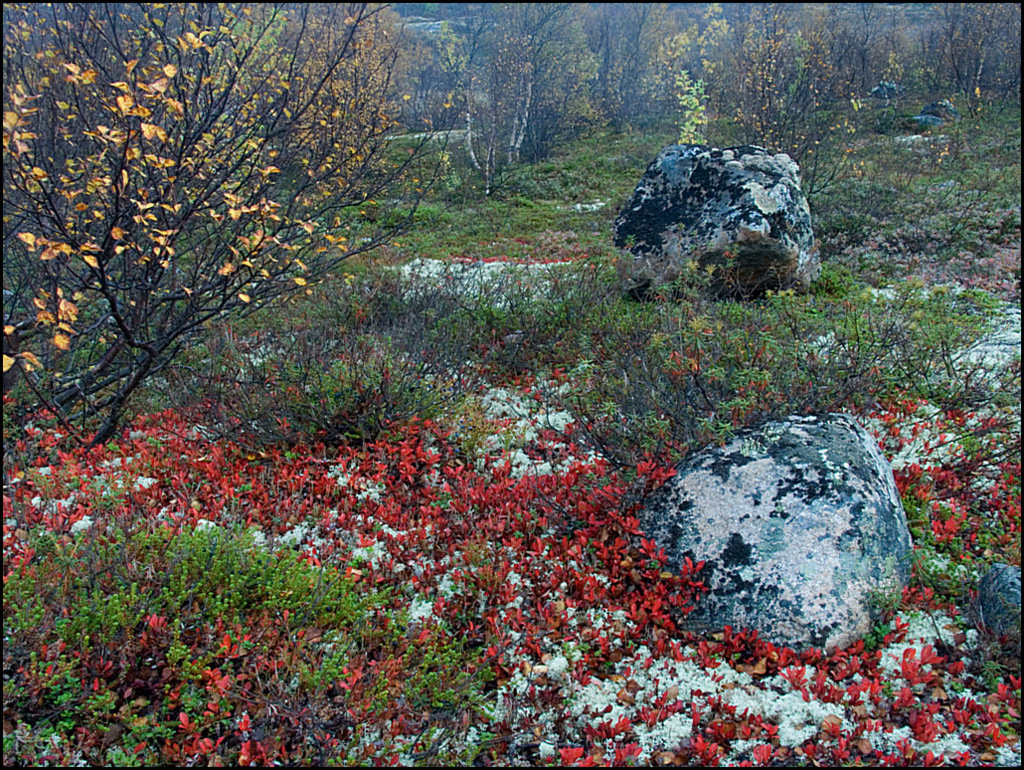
999,599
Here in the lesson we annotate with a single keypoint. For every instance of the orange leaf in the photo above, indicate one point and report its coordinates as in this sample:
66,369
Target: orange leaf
62,341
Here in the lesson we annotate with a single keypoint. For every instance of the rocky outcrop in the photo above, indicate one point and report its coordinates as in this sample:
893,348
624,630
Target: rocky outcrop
738,210
936,114
799,523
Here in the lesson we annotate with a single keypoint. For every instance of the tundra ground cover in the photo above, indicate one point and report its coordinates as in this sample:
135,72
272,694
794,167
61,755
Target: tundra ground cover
395,526
175,599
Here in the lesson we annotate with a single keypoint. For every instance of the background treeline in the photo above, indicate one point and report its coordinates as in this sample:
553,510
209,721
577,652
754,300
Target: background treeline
168,166
521,78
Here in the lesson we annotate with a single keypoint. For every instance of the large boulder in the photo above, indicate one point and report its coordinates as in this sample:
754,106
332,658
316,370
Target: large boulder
738,210
800,524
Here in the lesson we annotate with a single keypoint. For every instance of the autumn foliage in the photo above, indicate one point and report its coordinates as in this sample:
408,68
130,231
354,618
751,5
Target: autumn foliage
165,165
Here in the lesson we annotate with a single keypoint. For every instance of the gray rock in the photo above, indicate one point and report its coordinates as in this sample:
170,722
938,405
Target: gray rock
928,121
799,522
887,90
739,210
944,110
999,599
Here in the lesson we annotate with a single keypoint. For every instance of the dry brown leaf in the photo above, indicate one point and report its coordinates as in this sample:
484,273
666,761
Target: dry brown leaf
832,720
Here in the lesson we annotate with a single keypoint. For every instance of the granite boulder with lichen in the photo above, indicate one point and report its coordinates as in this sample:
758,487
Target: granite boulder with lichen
799,524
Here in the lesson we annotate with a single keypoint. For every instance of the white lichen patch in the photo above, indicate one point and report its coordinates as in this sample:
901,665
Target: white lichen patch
363,488
476,279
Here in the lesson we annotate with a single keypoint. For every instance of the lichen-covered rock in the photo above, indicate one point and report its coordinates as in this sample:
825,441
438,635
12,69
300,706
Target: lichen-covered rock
739,210
928,121
943,110
887,89
799,522
999,599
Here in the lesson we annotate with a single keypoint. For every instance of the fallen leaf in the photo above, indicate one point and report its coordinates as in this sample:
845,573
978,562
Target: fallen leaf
831,720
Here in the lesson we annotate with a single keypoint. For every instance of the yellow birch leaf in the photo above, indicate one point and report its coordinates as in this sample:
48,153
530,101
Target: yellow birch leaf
244,297
170,70
28,239
226,269
8,362
67,310
124,103
29,356
62,341
299,280
91,261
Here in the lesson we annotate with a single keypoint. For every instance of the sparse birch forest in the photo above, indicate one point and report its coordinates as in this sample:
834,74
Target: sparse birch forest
328,415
